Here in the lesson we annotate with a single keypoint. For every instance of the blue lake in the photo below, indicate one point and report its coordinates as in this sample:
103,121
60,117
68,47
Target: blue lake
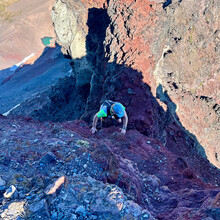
46,40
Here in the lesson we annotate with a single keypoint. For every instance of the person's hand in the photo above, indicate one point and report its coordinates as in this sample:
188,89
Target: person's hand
119,120
123,131
93,130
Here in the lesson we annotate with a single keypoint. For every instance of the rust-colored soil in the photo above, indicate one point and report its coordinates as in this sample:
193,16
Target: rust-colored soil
21,34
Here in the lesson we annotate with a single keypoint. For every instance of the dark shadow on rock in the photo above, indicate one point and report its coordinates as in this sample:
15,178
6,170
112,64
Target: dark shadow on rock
24,85
179,140
167,3
94,79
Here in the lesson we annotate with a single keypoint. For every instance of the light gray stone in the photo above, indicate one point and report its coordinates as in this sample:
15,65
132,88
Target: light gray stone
10,191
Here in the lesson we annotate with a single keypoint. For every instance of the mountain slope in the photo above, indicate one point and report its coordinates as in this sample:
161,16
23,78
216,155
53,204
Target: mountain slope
164,185
22,28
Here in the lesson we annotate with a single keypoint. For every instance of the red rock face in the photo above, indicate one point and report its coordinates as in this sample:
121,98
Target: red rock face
133,56
178,49
160,60
176,46
94,3
129,37
189,72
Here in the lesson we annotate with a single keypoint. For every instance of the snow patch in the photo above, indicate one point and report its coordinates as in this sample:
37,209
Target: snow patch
7,113
13,68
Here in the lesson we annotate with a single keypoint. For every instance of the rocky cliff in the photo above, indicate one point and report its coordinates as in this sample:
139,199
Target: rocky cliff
174,45
159,58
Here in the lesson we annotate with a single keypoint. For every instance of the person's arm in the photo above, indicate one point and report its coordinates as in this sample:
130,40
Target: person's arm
125,123
94,123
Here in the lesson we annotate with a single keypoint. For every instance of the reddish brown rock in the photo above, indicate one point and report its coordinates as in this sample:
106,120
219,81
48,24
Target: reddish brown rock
169,186
176,49
188,68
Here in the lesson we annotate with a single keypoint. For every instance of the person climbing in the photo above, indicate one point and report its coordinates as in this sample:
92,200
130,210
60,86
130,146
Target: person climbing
113,110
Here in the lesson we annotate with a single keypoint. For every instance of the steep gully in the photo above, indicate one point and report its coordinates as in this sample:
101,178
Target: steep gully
80,95
174,48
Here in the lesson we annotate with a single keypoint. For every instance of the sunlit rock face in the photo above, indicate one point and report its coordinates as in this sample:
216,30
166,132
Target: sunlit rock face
70,27
174,45
157,170
70,22
186,50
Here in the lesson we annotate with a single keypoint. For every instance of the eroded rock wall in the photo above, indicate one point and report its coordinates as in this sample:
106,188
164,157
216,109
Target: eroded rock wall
187,66
173,45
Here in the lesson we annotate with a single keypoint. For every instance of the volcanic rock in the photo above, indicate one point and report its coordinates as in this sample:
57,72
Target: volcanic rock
81,211
174,47
2,182
148,55
48,158
25,84
51,189
127,176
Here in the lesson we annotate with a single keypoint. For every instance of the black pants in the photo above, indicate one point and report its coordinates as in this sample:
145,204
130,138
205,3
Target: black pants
106,122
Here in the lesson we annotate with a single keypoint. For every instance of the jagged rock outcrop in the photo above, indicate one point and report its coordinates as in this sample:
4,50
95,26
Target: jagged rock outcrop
61,170
187,67
138,53
173,44
119,50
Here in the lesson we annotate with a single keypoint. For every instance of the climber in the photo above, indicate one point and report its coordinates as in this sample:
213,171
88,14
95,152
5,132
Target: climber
113,110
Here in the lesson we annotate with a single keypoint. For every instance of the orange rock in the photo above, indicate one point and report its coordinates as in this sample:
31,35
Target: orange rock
51,189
